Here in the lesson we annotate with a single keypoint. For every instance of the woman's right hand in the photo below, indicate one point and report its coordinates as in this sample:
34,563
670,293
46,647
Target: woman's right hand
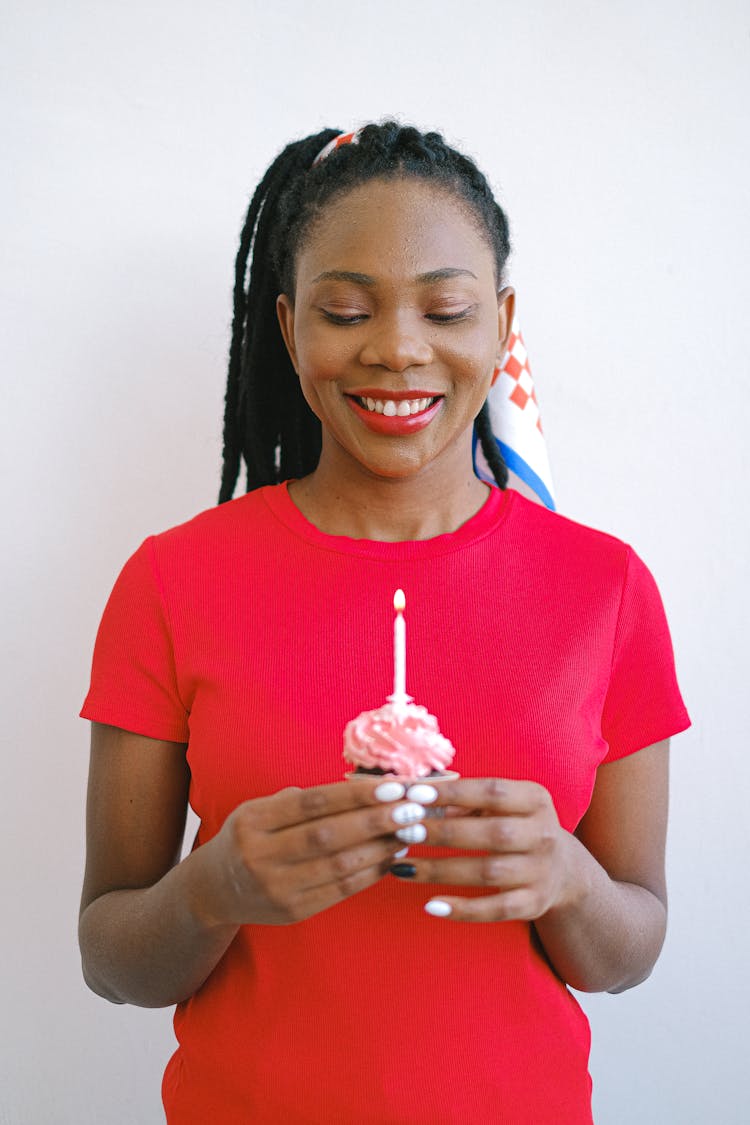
283,858
153,927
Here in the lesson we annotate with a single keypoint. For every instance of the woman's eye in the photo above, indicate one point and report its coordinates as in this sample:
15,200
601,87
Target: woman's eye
358,317
446,318
340,318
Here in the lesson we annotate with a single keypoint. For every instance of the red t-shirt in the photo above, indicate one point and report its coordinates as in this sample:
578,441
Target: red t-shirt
542,648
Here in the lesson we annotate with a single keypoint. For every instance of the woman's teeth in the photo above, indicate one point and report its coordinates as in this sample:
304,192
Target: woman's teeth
393,409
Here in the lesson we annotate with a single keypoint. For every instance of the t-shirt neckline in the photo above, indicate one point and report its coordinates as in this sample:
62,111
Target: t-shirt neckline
481,524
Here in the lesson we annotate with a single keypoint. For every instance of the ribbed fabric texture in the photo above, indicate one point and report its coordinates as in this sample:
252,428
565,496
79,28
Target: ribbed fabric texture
542,648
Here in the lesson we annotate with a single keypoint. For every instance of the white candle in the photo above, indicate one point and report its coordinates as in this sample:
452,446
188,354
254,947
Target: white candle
399,647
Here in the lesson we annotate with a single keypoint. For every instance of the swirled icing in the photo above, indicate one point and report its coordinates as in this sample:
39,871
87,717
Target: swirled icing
401,739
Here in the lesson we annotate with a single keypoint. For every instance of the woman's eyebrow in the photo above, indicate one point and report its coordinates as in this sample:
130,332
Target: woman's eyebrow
441,275
345,275
422,279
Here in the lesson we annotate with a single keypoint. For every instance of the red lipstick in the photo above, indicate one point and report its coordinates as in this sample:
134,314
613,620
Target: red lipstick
394,425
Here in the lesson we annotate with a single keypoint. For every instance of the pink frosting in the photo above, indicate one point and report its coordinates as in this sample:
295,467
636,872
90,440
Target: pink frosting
402,739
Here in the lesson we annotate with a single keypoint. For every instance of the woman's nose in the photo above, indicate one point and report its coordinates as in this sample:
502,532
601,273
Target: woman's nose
396,343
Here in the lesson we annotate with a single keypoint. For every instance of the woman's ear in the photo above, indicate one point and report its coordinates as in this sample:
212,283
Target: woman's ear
506,308
285,313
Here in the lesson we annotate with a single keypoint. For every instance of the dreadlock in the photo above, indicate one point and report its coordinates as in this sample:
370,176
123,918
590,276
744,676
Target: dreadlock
267,422
489,446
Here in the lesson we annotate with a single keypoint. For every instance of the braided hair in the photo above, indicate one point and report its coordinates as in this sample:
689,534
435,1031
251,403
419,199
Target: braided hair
267,422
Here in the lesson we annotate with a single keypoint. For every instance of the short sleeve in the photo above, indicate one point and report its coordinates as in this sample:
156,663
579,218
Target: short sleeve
133,676
643,704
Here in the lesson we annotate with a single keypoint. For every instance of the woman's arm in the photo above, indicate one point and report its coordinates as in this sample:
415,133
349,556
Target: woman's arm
597,898
152,928
608,929
140,941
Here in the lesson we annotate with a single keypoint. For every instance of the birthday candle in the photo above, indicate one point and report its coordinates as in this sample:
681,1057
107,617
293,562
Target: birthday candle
399,646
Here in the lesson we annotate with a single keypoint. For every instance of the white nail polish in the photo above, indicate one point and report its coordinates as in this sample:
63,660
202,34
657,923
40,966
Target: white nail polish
389,791
407,814
401,854
412,834
438,908
423,794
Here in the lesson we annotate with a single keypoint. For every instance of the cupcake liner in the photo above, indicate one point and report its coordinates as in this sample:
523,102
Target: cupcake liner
430,810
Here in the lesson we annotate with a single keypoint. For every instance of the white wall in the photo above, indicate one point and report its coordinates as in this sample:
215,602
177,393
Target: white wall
132,135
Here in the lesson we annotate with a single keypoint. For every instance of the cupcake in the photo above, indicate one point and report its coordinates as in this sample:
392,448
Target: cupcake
401,739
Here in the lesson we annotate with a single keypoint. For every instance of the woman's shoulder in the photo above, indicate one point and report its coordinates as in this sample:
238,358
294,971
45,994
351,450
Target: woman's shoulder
571,546
242,514
558,528
209,539
585,567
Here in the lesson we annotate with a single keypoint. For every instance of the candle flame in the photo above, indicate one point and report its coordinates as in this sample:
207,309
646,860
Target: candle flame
399,601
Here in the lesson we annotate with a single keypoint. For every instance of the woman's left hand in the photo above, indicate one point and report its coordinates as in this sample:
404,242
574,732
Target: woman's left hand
526,851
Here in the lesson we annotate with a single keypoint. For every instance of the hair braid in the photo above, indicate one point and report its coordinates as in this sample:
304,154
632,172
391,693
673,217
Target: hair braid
492,455
258,405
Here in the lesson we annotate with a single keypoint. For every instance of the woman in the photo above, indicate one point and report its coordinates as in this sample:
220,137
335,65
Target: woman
320,974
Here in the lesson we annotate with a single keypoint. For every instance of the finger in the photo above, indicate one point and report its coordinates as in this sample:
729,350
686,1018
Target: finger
501,834
519,905
339,868
455,810
493,794
316,899
297,806
507,872
327,836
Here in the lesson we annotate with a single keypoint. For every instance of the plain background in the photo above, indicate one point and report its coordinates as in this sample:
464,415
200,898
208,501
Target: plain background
132,136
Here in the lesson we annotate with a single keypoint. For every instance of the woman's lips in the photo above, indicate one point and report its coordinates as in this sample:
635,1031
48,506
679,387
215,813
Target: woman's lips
392,422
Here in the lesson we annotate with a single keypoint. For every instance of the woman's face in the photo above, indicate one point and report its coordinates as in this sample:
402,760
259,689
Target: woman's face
396,327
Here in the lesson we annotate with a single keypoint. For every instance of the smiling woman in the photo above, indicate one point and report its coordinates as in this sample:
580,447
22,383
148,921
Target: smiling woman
316,975
395,359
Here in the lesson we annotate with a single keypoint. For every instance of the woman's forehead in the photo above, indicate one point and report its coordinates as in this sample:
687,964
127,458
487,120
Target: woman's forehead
409,224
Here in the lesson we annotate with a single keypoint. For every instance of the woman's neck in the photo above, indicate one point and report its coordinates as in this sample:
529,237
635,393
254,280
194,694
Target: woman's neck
387,509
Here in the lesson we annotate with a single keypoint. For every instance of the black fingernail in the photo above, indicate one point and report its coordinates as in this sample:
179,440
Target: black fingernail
403,870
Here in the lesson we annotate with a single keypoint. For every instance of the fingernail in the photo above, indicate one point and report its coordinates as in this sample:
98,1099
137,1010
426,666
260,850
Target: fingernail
401,854
403,870
423,794
438,908
407,814
412,834
389,791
